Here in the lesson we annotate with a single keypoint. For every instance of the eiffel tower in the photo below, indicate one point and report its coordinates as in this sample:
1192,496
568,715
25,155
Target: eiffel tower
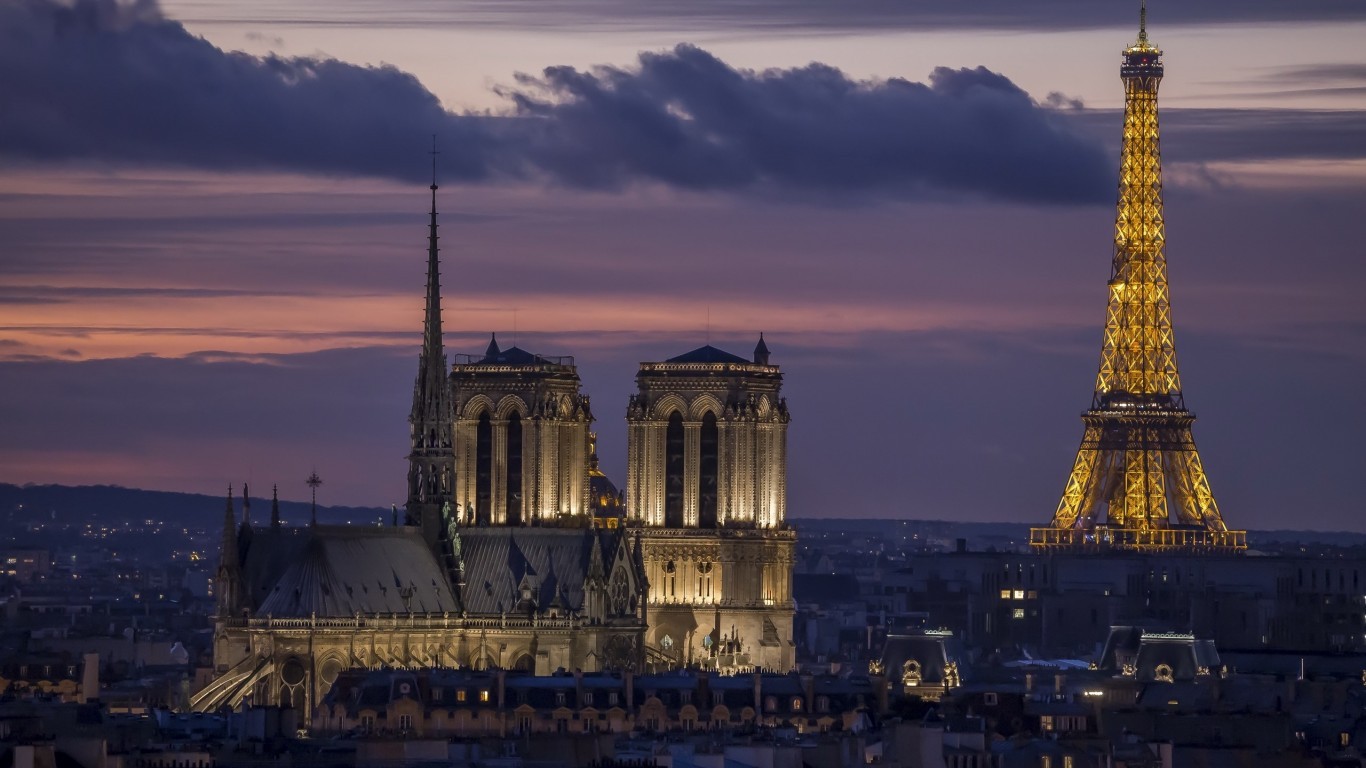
1137,482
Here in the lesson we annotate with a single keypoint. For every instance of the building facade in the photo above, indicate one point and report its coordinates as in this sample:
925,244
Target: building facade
521,439
706,486
517,552
497,566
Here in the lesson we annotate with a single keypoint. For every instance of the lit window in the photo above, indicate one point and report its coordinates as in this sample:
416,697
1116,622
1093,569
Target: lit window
1005,594
1019,594
1046,722
460,695
484,695
1018,613
797,704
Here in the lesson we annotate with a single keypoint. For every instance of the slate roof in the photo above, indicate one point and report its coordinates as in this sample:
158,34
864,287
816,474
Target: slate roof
708,354
553,560
510,356
339,571
1184,657
932,652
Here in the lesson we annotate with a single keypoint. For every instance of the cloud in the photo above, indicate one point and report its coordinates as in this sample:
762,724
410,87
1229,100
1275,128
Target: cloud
117,82
1244,134
770,15
1319,73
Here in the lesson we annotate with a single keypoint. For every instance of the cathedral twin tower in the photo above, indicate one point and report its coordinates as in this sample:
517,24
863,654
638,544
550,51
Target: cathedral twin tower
503,440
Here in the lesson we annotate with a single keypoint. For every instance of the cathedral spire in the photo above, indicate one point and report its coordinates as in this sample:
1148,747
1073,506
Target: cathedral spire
229,531
275,506
431,331
246,507
431,461
225,585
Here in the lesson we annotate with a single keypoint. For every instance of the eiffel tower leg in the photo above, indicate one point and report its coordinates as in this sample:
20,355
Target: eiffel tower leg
1076,505
1194,496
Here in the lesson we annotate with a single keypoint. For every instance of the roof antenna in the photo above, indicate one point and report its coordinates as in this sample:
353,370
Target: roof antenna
1142,22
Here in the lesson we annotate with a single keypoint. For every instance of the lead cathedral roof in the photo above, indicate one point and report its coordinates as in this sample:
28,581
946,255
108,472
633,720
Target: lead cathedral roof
554,561
339,571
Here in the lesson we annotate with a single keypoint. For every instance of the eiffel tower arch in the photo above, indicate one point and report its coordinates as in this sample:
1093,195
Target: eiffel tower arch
1137,482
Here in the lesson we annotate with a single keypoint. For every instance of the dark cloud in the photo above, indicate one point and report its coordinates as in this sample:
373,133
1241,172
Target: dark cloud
115,82
1210,135
775,15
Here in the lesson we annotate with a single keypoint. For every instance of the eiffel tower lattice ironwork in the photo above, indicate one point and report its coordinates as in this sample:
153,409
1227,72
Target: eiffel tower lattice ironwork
1137,482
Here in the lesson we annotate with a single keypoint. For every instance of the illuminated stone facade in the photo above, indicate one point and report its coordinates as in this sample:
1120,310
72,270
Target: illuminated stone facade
707,455
522,439
510,574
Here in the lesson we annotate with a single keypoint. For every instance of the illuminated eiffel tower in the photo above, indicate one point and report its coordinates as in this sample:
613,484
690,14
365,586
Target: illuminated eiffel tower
1137,482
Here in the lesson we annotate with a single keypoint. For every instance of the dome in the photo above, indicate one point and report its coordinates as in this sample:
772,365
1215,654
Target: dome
605,500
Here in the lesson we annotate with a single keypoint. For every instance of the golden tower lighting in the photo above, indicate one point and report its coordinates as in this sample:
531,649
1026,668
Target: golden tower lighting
1137,482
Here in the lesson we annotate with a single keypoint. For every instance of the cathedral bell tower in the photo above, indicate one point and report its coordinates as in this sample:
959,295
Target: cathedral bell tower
707,487
431,461
522,439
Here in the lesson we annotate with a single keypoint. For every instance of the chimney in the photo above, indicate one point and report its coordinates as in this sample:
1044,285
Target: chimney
90,679
1059,683
1029,682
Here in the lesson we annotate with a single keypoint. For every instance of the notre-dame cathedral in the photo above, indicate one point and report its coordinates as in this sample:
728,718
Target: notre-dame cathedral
516,550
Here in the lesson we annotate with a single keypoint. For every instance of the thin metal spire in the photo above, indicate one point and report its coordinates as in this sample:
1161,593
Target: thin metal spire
432,336
1143,22
313,482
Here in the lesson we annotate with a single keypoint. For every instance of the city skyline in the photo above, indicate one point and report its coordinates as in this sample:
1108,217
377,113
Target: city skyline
191,323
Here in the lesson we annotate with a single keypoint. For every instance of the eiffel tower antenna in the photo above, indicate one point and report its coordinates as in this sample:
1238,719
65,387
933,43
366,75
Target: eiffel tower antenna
1137,482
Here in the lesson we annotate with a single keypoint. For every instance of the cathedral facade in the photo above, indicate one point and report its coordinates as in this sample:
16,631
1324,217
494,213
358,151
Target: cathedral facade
707,489
516,551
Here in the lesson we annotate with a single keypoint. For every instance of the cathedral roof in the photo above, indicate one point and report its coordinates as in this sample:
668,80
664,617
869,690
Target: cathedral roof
554,561
707,354
337,571
509,356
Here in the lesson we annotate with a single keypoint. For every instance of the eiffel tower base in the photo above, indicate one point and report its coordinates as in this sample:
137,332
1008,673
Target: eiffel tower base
1105,538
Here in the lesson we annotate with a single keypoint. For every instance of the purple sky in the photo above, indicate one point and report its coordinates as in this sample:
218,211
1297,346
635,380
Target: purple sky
211,263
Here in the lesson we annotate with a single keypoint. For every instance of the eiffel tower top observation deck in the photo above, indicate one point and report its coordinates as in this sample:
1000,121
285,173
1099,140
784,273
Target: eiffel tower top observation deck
1137,482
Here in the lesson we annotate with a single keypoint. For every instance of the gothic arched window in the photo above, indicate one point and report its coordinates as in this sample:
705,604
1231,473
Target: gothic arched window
707,473
483,469
514,465
673,472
